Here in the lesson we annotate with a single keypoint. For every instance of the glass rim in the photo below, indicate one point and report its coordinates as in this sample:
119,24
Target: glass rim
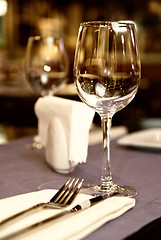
39,37
108,23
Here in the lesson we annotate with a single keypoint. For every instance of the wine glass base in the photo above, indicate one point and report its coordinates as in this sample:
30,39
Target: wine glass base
94,190
113,190
36,144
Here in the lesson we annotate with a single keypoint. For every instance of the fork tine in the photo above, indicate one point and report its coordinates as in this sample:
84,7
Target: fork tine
68,191
60,192
66,195
73,193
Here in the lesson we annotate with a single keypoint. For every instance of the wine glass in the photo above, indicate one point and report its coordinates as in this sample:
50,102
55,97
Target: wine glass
46,68
46,64
107,72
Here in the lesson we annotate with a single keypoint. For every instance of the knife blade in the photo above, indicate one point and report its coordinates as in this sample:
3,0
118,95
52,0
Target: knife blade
81,206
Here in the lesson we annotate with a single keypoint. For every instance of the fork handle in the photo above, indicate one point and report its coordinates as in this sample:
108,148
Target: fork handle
79,207
35,225
82,206
19,214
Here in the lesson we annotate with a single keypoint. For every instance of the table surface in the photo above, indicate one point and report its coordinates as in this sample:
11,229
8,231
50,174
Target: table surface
23,170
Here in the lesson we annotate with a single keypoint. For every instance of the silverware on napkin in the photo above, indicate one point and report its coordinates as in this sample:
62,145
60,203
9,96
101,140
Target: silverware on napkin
81,206
63,198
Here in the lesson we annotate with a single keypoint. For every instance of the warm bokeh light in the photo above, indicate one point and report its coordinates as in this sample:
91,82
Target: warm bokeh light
3,7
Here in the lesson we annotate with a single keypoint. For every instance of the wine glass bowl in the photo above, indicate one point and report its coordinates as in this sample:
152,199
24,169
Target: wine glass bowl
46,68
46,64
107,72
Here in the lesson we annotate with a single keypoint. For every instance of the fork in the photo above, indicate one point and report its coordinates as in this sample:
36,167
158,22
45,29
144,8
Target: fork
63,198
79,207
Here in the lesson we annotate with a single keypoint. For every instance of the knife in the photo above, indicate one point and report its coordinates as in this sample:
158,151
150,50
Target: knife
81,206
88,203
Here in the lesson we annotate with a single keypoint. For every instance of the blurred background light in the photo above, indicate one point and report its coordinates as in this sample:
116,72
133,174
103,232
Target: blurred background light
3,7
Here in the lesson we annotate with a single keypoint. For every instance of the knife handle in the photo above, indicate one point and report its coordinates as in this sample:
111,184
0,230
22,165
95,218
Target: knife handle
87,203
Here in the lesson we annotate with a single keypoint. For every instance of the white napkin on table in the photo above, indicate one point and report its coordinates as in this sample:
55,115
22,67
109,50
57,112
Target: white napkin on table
65,124
74,226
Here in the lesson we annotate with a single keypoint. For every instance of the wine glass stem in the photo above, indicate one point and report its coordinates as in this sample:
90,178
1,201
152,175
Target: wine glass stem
106,178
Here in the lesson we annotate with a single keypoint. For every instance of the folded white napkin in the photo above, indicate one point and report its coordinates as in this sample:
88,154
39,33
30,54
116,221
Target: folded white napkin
74,226
63,128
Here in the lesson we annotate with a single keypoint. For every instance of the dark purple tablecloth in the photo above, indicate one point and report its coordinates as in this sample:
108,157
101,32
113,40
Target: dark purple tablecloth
22,170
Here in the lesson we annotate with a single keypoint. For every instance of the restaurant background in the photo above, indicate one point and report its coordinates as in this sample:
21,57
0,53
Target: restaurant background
20,19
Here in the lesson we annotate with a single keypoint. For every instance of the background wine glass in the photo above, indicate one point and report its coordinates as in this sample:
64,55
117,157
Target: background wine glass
46,64
107,72
46,67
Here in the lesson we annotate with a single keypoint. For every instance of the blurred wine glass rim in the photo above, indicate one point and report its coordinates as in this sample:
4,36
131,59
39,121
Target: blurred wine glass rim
49,39
108,23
